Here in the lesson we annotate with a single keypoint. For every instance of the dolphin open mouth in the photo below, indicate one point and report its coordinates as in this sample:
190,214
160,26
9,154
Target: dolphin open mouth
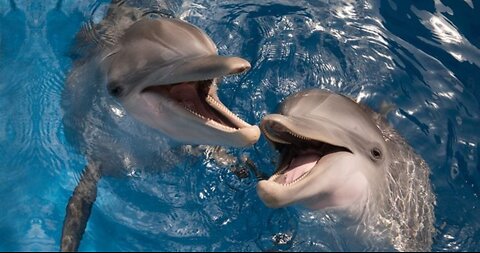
299,155
200,99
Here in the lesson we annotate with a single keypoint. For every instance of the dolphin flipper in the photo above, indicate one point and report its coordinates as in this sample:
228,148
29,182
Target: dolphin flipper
79,208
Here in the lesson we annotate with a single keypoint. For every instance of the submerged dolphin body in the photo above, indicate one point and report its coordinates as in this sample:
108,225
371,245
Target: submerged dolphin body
164,73
340,155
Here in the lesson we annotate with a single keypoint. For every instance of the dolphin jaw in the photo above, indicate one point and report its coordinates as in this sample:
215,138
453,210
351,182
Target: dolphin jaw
207,107
190,112
293,146
214,102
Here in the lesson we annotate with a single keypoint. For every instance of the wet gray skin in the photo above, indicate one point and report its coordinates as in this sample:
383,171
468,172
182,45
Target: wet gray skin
336,154
164,72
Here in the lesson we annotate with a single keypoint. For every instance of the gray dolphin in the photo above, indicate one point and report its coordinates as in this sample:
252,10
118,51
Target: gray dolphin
165,73
337,154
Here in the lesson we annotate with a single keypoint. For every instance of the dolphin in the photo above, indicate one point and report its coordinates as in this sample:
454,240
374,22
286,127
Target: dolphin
165,74
336,154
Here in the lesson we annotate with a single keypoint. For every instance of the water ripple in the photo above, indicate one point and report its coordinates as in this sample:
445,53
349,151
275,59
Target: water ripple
421,57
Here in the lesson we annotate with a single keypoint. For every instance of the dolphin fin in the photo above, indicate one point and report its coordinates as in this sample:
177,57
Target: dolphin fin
79,208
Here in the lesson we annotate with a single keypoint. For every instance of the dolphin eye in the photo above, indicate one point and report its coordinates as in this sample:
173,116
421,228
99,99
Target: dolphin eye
376,154
115,89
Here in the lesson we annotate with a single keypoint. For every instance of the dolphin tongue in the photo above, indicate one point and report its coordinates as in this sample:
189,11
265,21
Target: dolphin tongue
298,167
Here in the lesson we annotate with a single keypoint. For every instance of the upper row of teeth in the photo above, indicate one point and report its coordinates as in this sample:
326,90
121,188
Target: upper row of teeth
271,137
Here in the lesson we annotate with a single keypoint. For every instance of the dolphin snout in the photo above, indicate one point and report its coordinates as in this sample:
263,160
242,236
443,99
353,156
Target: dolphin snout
272,194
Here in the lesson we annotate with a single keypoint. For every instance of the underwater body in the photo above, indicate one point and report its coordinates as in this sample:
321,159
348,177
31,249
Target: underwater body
421,57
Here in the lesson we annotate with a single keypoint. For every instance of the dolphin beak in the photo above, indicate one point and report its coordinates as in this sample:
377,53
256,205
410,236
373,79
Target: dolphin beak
273,195
323,130
198,68
246,136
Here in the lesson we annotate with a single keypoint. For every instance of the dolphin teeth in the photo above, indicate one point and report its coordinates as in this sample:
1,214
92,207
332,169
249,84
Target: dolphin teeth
299,136
298,179
212,100
211,121
273,138
196,114
276,175
221,107
279,140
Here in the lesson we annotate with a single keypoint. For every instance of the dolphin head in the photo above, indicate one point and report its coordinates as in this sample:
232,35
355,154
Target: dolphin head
331,152
165,73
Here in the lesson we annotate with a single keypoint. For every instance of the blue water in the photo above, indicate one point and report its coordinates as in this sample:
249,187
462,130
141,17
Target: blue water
421,56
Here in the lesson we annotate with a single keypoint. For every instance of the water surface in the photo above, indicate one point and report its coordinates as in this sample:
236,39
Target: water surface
421,56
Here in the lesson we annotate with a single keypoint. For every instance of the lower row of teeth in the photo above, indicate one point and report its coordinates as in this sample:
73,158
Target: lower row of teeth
208,119
224,109
196,114
294,181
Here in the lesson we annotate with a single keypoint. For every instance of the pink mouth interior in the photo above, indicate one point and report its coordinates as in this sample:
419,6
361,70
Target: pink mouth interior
299,165
192,96
189,96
